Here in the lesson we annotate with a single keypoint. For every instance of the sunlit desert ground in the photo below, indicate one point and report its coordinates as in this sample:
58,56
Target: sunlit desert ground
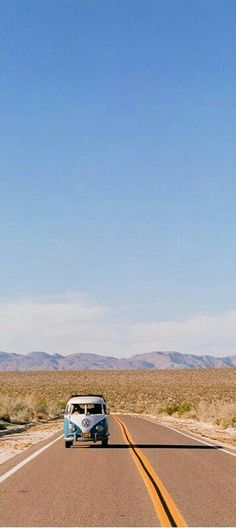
198,401
207,395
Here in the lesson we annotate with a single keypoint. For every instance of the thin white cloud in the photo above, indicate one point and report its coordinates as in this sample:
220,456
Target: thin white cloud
55,324
202,334
73,323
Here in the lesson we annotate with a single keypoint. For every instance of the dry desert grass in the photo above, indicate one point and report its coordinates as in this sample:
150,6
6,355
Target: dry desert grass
207,395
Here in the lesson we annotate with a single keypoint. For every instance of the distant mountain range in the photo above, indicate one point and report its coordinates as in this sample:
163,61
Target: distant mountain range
150,360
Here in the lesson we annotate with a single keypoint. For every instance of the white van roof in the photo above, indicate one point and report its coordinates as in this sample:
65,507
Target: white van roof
86,399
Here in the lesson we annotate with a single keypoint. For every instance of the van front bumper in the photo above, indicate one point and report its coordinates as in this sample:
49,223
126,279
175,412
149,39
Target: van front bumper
97,437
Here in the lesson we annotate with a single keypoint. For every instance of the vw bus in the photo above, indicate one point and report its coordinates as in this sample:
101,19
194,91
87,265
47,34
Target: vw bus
86,420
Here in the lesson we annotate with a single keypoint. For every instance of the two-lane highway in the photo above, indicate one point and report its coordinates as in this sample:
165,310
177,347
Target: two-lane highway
200,478
149,476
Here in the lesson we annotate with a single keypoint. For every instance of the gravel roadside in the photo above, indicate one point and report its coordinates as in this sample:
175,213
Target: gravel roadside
18,438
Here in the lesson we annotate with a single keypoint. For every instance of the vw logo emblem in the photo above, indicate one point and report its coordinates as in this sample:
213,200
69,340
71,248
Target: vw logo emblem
86,422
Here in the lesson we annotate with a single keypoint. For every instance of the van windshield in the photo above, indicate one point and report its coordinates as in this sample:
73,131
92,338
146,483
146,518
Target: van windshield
86,408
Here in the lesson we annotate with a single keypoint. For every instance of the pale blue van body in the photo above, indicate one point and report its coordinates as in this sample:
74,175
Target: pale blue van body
86,420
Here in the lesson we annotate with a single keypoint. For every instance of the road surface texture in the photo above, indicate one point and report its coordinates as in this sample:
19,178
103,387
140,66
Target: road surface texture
149,475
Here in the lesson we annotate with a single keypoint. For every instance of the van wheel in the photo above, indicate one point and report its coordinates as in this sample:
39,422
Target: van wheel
105,443
68,444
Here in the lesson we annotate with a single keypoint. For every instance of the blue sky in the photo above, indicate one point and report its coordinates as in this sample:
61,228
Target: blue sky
117,177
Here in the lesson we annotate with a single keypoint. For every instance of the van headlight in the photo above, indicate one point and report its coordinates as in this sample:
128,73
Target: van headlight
99,428
72,428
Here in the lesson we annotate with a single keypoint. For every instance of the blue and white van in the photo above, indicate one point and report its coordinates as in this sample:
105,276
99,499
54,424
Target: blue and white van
86,420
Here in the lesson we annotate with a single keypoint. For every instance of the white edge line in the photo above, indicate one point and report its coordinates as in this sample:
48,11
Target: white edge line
192,437
28,459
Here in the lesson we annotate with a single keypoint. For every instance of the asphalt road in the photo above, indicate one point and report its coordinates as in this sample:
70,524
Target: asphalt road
149,476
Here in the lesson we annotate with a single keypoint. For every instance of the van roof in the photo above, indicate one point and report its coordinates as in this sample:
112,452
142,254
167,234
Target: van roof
87,398
79,395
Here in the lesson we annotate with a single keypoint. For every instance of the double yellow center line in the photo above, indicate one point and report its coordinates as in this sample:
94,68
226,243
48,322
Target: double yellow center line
165,508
